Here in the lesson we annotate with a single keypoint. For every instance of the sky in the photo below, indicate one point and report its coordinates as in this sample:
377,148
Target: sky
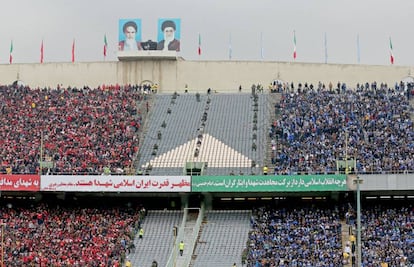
254,29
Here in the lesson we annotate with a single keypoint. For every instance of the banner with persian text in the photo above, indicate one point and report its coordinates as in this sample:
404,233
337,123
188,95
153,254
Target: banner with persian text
107,183
19,182
269,183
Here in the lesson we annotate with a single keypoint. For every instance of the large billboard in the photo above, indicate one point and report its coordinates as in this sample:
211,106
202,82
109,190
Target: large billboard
130,35
19,182
108,183
169,34
269,183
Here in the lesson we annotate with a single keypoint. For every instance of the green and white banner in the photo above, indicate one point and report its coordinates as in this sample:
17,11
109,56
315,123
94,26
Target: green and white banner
269,183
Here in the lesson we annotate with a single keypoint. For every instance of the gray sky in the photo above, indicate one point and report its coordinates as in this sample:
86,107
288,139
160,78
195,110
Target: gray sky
58,22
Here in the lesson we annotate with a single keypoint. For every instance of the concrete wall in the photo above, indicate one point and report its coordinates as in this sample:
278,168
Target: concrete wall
174,75
228,75
388,182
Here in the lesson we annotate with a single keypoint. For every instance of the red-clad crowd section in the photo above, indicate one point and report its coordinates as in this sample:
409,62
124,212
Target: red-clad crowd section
57,236
80,130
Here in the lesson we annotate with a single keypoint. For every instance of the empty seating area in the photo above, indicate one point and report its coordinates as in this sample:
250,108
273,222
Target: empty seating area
176,118
237,122
226,132
223,238
158,240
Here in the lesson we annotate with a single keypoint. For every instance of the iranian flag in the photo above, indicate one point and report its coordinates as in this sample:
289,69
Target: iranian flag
391,54
11,53
41,52
73,51
294,45
105,48
199,44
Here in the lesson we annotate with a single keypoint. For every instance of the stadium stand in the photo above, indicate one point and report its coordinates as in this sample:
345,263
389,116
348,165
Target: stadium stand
295,237
45,235
222,238
315,128
117,129
388,236
310,236
215,130
95,131
76,130
290,233
158,240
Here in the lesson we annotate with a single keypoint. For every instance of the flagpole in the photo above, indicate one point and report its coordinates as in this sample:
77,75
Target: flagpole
230,49
41,53
199,46
11,53
294,45
391,53
105,48
326,50
261,46
358,50
73,50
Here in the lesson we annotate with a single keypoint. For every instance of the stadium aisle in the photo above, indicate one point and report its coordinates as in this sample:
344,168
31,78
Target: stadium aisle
345,239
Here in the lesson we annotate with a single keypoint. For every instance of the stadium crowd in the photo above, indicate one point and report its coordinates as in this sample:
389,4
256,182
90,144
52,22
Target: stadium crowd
295,237
387,236
80,130
316,126
68,236
312,237
93,131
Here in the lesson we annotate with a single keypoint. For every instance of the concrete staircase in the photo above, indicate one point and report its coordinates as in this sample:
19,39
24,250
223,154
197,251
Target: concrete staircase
346,238
274,98
145,114
188,236
194,256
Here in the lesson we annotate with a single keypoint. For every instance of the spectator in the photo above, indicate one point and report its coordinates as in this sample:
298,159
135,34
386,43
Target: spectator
347,253
265,170
141,233
181,248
